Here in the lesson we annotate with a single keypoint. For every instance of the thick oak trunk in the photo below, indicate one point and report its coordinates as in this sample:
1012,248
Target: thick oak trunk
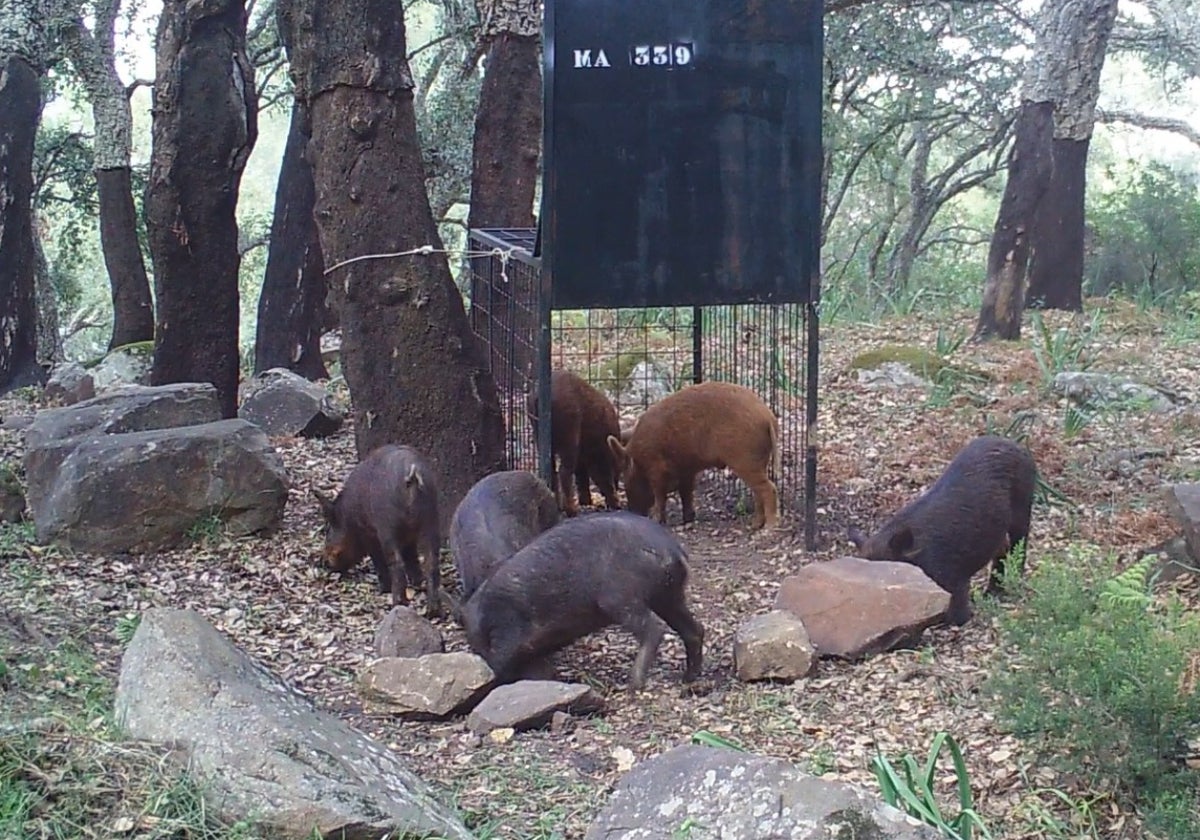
291,309
1030,167
1056,266
409,357
133,309
205,125
20,108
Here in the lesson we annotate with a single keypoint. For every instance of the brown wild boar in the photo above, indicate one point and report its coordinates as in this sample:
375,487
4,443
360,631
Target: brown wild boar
499,516
581,419
579,577
388,509
712,424
979,508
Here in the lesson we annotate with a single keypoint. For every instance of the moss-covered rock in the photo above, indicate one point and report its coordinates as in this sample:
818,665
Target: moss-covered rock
924,363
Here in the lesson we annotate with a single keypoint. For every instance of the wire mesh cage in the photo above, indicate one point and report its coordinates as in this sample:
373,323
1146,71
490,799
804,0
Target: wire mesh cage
637,356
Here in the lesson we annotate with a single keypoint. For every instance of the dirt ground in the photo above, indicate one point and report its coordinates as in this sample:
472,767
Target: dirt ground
877,450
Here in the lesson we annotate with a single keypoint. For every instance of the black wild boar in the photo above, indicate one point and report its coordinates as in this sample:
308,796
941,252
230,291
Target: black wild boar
579,577
499,515
388,509
972,515
712,424
581,419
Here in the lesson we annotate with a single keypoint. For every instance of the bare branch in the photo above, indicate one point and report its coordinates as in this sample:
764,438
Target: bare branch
1149,122
135,84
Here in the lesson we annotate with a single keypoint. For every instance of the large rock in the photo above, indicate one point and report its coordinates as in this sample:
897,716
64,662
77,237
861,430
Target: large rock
144,491
261,750
133,408
281,402
853,607
1183,500
405,633
429,687
70,383
774,646
731,795
1105,389
530,704
126,365
648,383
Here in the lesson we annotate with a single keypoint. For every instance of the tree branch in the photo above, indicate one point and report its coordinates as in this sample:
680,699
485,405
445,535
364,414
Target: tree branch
1149,122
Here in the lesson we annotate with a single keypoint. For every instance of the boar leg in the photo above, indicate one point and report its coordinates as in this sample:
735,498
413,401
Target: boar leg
687,497
568,460
648,630
398,580
960,604
766,501
582,484
433,577
383,571
673,610
602,475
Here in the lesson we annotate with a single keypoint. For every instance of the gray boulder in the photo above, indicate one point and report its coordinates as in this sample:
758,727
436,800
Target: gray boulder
133,408
260,749
405,633
428,687
144,491
126,365
721,793
281,402
530,704
70,383
648,383
1105,389
1183,501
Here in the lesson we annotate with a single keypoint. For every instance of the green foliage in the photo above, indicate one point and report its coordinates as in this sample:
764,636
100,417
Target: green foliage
1146,236
914,791
1075,420
15,539
126,626
1063,350
1100,684
710,739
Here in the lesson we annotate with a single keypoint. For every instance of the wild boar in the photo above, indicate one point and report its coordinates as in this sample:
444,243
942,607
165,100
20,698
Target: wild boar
388,509
712,424
581,419
579,577
499,515
979,508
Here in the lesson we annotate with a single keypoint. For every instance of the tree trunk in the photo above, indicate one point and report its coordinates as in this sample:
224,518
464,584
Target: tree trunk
20,109
205,125
507,145
291,308
408,354
92,56
1029,170
133,309
1058,113
1056,267
49,336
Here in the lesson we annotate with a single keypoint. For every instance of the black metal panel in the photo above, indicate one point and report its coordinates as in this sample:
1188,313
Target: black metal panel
683,151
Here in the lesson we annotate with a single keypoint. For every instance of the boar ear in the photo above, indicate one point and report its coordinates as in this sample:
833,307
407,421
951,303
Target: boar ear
901,542
856,536
413,476
618,450
327,505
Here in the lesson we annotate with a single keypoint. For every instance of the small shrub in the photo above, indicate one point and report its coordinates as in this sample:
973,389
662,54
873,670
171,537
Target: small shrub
1061,350
1099,685
914,794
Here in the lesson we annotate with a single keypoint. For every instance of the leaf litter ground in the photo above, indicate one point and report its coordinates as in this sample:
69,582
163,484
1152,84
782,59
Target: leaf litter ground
877,450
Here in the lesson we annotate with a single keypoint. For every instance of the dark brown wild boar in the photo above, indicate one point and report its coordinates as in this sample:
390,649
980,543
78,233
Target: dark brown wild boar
580,577
500,515
581,419
712,424
388,510
979,508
